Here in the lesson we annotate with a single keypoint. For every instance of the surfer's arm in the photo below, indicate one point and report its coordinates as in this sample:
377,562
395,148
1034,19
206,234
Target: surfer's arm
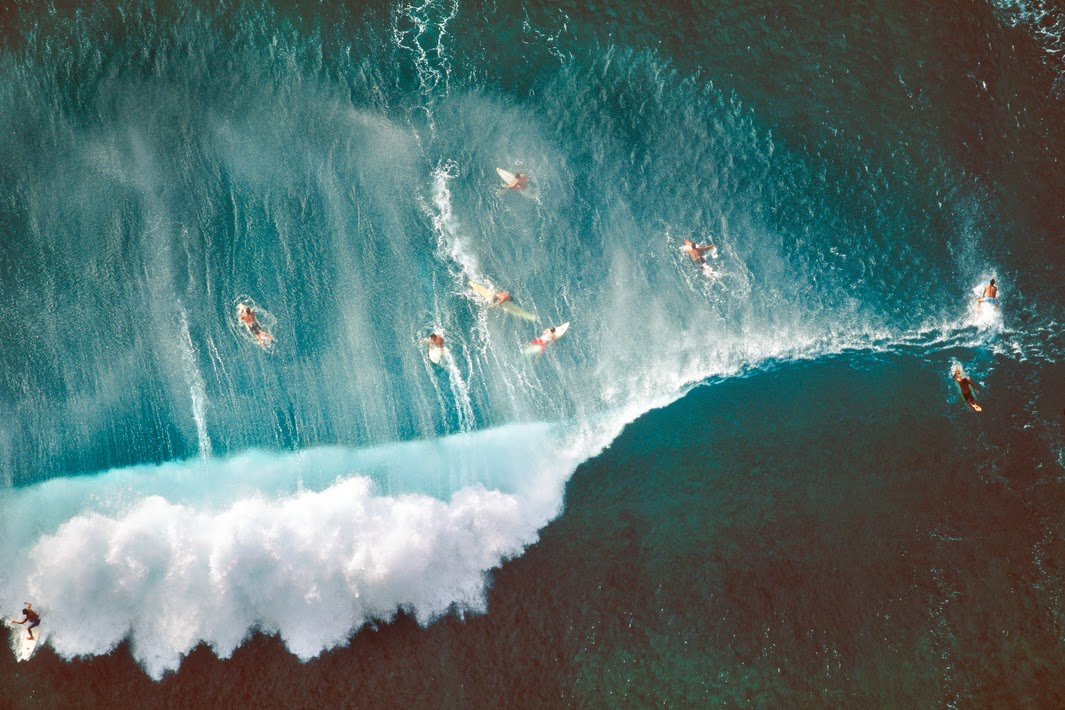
20,622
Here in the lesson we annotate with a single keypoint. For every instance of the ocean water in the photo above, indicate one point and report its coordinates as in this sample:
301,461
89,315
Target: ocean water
758,487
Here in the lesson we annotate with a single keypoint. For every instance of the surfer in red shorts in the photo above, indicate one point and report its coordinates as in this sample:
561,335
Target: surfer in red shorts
247,317
29,615
548,336
966,385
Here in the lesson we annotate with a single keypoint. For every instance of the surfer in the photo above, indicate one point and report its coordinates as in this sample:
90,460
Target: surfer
696,252
990,294
966,385
29,615
548,336
520,182
501,297
247,317
436,347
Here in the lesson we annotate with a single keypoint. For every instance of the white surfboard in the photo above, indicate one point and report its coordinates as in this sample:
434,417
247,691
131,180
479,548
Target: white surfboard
22,646
506,176
436,353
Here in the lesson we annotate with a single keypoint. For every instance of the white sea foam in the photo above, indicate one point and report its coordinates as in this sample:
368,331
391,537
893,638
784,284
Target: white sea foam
175,555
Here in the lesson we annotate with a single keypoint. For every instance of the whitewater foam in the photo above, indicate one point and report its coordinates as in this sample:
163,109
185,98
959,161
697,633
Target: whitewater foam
210,551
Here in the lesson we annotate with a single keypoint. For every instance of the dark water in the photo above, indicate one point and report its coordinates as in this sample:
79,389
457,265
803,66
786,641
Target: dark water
821,523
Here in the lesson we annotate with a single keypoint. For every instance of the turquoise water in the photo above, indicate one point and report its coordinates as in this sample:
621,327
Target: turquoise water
757,488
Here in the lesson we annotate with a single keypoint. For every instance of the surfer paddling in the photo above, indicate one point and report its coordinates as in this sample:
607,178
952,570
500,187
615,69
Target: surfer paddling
990,294
30,616
550,335
520,182
247,316
966,385
436,347
504,300
547,337
696,252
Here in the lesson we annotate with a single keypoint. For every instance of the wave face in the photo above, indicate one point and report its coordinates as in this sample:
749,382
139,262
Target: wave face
164,165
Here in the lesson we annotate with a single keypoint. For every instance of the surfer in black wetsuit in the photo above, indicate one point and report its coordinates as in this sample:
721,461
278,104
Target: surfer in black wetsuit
29,615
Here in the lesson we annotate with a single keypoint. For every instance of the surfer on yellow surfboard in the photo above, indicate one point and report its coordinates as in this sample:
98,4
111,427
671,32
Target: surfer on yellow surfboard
504,300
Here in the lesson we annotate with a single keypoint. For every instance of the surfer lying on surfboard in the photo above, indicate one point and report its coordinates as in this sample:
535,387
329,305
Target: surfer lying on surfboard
247,317
550,335
513,181
436,347
966,385
32,617
504,300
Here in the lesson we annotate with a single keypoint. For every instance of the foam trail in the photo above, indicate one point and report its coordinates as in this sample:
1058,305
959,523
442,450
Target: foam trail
197,389
445,225
422,31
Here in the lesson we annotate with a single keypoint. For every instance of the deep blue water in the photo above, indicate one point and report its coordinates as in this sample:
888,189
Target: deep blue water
774,470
